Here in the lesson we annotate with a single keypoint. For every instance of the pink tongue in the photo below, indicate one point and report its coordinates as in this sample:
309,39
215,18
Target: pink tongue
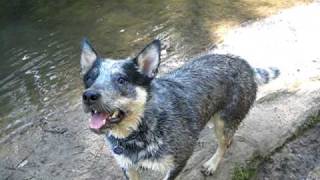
98,120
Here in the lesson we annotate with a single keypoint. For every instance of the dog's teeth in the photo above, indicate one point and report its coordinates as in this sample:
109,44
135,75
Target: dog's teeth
95,111
115,114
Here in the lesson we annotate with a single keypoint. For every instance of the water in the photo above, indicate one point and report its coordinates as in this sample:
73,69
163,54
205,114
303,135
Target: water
40,40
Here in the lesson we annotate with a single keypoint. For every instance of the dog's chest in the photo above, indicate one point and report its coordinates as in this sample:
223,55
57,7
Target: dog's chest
160,164
140,154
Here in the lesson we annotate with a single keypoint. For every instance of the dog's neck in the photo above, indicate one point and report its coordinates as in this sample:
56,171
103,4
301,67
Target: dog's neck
137,138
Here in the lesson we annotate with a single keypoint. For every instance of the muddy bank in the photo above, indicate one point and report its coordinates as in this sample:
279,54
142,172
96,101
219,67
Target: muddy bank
298,159
60,147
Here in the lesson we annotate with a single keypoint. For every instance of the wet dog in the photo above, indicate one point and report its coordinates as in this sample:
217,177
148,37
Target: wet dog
154,122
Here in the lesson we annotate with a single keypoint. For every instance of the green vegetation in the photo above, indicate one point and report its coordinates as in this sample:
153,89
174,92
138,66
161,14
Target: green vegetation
248,171
242,173
312,121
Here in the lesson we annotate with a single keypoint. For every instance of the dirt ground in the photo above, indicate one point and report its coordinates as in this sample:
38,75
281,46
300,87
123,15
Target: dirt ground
60,147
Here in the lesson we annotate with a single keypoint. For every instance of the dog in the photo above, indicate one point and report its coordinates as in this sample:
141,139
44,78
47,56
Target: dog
154,122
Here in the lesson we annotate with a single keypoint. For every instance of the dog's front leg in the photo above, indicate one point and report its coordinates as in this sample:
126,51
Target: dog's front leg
173,173
131,173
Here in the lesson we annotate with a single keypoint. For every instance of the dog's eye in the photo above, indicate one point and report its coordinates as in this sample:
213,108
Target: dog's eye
121,80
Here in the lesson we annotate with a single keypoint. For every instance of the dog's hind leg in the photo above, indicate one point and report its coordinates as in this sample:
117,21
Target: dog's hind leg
211,165
131,173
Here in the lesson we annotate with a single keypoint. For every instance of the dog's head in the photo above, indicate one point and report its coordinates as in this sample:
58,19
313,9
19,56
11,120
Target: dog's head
116,90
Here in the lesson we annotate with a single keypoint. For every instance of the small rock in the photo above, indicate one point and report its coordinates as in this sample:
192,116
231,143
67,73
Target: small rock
23,163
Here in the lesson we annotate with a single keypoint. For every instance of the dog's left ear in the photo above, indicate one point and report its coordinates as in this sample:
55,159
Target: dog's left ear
148,59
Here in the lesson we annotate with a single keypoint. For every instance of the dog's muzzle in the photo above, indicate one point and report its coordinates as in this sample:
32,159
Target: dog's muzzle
102,116
90,97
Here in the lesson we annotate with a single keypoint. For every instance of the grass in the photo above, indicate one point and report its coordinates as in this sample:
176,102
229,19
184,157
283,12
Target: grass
244,173
312,121
248,171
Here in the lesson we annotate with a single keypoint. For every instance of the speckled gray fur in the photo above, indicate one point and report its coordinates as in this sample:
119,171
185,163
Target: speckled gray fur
183,101
180,103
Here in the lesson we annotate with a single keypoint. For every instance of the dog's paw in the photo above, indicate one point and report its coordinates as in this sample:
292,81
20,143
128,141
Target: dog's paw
208,169
206,172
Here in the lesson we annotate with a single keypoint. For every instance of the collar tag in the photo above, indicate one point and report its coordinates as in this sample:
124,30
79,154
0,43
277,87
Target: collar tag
118,150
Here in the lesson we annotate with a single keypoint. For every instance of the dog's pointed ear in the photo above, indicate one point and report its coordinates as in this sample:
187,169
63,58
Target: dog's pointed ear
148,59
88,56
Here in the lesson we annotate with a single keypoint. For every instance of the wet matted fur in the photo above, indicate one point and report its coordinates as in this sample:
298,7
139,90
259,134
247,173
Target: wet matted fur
161,117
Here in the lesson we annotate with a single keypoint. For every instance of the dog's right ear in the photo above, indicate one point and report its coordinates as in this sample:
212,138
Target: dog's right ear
88,56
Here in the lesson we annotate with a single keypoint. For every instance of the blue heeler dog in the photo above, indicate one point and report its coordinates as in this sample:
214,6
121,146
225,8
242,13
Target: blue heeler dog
153,122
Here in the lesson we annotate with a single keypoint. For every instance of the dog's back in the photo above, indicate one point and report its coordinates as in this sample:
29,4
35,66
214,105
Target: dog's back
210,84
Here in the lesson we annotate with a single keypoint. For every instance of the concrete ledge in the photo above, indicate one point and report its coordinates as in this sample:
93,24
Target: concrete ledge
268,126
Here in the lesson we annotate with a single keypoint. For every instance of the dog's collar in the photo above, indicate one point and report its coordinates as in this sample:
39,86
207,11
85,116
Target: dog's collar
119,143
118,149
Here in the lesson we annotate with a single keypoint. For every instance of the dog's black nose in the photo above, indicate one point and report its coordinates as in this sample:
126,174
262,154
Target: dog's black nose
91,96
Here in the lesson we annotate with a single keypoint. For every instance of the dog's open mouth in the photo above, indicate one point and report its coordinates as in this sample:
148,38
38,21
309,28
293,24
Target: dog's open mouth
101,120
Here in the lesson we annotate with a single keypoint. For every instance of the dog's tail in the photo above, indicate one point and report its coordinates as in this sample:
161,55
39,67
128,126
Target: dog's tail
265,75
